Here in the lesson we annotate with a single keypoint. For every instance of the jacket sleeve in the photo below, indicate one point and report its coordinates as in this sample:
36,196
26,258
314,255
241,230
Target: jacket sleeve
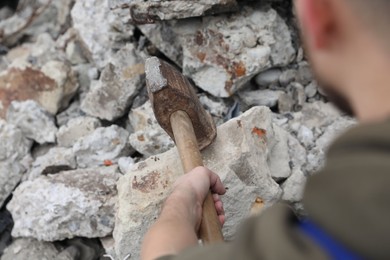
273,235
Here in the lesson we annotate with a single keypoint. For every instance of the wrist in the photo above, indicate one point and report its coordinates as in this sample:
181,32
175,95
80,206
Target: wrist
182,206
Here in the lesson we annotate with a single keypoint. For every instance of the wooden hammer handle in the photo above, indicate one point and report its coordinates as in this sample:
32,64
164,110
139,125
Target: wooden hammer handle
187,145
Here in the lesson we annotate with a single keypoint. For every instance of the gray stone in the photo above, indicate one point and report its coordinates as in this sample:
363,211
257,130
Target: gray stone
287,77
33,120
14,146
241,155
305,75
111,96
299,96
100,32
265,97
148,137
29,248
285,103
66,205
311,89
293,187
34,18
217,109
10,175
305,136
73,111
55,160
76,128
266,78
151,11
105,145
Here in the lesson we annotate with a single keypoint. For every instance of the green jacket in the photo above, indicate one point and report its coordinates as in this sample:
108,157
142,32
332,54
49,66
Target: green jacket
349,199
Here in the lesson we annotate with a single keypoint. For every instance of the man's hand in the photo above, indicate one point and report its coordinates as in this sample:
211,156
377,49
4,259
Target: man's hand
178,224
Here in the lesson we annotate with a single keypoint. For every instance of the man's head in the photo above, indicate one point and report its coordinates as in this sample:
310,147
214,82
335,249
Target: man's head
348,42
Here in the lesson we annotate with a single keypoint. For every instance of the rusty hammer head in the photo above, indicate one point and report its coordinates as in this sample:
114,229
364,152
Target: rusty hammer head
169,91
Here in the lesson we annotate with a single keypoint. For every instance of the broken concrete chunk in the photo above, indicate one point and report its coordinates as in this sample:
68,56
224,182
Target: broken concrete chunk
66,205
148,137
52,86
76,128
151,11
14,146
55,160
29,248
125,164
34,122
34,18
10,175
100,32
104,146
240,155
226,51
294,186
110,97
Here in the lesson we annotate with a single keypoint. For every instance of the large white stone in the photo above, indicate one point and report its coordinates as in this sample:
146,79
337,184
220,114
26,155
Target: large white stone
110,97
33,120
66,205
100,32
242,155
103,146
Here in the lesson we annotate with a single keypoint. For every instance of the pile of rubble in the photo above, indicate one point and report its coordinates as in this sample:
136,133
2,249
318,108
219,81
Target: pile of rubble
84,165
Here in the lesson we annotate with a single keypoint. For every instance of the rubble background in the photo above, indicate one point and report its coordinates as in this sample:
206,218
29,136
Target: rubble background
84,166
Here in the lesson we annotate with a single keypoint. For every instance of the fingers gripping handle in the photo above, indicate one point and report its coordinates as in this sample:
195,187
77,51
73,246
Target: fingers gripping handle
185,139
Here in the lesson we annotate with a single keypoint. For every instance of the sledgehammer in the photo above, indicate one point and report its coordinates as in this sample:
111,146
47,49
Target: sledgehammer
180,114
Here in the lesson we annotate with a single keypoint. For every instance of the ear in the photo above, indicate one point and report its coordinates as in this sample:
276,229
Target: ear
317,19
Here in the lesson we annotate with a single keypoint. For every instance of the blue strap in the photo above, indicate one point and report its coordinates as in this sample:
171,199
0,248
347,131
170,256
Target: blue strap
334,249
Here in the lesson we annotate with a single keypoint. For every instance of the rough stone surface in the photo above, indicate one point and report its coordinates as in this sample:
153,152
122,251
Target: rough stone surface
293,187
10,175
222,53
265,97
67,204
34,121
34,18
13,149
148,137
55,160
29,248
242,155
104,146
52,86
216,107
100,32
111,96
125,164
76,128
267,78
151,11
14,146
